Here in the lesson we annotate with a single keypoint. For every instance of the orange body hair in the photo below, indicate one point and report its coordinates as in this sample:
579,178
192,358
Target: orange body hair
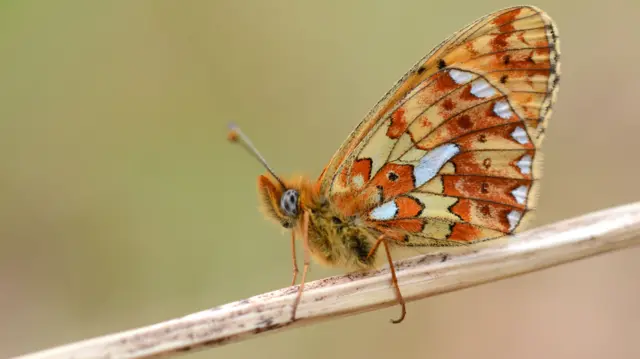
333,239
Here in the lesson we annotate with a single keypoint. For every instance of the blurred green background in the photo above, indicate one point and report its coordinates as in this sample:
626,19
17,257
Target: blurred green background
122,204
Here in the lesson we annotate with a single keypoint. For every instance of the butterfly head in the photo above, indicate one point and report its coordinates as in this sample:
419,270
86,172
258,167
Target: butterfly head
280,200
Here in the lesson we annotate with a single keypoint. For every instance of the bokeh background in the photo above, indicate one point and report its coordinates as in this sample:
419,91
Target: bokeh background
122,204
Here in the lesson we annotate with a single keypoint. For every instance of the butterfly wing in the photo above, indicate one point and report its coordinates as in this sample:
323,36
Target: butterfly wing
450,154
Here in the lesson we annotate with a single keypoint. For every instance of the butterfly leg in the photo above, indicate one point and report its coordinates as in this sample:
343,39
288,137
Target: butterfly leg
293,257
394,279
374,249
394,282
307,260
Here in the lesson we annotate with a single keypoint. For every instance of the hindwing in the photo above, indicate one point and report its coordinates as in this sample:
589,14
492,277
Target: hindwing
451,152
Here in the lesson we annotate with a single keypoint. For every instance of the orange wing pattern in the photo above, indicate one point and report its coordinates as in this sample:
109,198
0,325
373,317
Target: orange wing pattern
450,154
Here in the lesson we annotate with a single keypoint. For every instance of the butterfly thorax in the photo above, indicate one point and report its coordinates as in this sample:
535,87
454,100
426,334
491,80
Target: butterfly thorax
334,239
337,240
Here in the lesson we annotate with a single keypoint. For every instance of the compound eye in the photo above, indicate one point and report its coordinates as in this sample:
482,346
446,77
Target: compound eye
289,202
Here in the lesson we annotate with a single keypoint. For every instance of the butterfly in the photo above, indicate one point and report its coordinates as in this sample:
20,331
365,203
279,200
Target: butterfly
448,157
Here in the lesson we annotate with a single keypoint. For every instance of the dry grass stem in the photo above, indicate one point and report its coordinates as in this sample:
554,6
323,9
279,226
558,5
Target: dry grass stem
419,277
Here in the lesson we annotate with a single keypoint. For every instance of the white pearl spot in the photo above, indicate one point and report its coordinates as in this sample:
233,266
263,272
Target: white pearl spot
520,194
524,164
520,135
431,163
480,88
514,218
460,77
384,211
502,109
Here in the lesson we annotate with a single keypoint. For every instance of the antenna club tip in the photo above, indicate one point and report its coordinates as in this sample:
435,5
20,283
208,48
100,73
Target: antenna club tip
233,132
232,136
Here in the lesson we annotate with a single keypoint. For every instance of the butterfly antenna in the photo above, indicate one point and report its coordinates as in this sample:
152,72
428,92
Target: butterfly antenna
236,135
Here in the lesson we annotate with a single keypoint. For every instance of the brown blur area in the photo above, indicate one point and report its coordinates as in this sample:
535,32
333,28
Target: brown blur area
122,204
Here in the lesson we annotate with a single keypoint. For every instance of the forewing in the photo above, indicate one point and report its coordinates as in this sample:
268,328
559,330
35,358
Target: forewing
451,152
